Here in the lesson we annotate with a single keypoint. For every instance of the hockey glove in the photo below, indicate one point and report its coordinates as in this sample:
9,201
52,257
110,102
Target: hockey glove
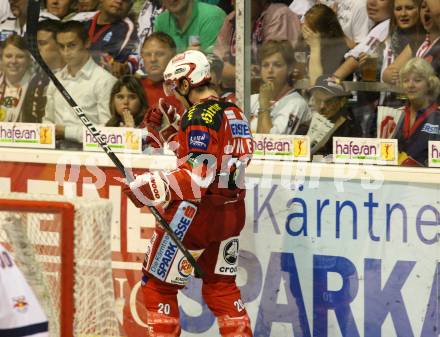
171,121
148,189
154,117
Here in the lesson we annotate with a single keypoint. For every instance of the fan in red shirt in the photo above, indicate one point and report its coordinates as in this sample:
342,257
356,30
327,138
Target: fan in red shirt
202,200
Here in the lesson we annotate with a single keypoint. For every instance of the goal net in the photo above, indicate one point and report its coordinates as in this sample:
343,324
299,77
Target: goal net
63,247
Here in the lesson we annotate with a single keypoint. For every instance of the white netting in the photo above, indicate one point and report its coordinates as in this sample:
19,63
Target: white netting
34,239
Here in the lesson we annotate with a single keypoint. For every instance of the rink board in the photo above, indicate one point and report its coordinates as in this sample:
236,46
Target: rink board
319,257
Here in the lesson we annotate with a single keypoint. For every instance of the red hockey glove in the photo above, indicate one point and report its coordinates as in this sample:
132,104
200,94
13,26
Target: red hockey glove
171,120
154,117
148,189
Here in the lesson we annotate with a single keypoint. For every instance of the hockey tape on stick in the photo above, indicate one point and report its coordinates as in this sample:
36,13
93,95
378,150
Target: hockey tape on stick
33,13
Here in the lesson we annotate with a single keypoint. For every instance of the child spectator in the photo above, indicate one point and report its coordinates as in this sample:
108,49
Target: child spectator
113,37
422,115
88,84
278,108
14,80
190,23
127,103
270,21
34,104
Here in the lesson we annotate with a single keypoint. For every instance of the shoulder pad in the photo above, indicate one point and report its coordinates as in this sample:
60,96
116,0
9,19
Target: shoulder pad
208,114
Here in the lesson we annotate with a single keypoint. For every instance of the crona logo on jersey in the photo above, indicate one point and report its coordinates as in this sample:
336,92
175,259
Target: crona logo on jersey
230,252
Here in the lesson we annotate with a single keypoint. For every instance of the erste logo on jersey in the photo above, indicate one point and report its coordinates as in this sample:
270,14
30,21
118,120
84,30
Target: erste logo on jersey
198,140
240,129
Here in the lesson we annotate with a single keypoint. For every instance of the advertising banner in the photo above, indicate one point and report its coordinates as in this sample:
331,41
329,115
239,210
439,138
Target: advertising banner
324,257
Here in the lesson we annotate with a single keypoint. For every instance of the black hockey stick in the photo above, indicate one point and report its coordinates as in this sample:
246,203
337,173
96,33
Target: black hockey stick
33,13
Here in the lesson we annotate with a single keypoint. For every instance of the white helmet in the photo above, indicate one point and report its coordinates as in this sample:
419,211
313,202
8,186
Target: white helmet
192,65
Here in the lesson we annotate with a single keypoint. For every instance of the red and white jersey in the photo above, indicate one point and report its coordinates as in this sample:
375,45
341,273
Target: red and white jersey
20,312
215,146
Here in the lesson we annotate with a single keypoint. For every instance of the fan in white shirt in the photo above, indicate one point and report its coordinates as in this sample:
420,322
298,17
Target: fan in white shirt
88,84
278,108
379,12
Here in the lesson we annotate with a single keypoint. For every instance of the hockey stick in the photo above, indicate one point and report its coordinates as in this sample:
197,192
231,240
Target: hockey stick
33,13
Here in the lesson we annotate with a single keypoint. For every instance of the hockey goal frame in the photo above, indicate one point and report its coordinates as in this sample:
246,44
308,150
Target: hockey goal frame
66,211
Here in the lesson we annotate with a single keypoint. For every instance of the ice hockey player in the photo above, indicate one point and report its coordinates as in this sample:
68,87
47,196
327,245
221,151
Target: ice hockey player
20,313
202,200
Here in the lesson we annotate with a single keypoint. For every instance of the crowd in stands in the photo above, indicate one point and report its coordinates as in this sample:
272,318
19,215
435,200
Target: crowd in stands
110,56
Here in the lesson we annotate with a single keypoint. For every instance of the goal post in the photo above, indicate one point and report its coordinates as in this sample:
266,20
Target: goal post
63,247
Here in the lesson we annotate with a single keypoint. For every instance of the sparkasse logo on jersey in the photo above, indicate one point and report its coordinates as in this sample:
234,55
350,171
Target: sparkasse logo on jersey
198,140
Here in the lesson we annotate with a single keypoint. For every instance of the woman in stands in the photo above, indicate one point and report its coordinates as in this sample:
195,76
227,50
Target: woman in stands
324,35
277,108
429,49
422,116
127,103
14,78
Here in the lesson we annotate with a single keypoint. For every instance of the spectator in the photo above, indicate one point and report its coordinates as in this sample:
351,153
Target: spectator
14,80
58,9
15,23
15,292
270,21
329,99
36,96
5,10
157,51
434,7
113,37
405,29
127,103
278,108
326,40
216,79
190,23
422,115
88,84
147,16
87,5
352,16
429,49
380,12
300,7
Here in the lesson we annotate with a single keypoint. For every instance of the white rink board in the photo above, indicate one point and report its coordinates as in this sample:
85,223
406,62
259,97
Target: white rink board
368,286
